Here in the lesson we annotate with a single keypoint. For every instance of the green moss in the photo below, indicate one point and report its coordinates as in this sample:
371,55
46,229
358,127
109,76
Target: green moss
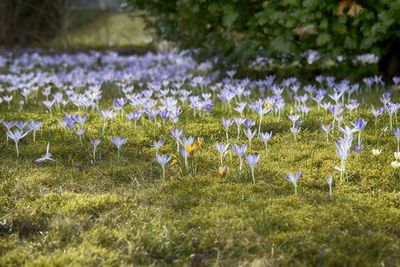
76,211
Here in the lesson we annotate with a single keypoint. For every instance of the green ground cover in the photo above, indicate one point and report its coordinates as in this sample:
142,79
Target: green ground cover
76,211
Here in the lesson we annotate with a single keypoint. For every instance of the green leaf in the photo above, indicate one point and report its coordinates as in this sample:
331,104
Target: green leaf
323,39
230,15
350,42
213,8
281,44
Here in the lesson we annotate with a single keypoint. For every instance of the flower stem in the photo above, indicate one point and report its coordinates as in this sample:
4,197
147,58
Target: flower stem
16,148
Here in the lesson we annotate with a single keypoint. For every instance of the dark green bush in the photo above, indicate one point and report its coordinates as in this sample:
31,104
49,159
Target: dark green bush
243,29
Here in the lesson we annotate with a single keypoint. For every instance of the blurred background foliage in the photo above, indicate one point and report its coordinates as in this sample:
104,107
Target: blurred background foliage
28,21
71,24
237,31
244,29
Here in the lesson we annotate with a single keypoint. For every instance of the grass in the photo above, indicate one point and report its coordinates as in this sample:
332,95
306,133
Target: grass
76,211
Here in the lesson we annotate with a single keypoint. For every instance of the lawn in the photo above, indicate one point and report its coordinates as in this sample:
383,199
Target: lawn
115,208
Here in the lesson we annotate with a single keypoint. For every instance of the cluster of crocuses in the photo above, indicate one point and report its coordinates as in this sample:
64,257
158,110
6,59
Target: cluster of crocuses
19,129
240,149
186,146
167,90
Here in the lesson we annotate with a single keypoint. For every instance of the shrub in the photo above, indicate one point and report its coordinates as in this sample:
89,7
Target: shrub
242,29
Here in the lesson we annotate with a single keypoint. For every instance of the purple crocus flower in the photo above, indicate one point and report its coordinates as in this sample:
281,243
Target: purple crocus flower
177,134
120,102
227,123
391,109
186,141
261,111
8,99
396,80
49,104
318,99
8,125
347,131
129,116
80,119
293,179
69,121
185,156
163,160
240,107
118,142
343,146
164,114
248,123
95,143
47,156
377,112
34,126
136,116
327,129
239,151
222,149
106,115
385,98
238,122
357,149
20,125
359,125
158,144
80,132
265,138
295,131
294,118
252,160
396,132
16,136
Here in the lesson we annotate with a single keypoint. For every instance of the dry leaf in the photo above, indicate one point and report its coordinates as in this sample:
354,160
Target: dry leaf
344,4
354,9
351,5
